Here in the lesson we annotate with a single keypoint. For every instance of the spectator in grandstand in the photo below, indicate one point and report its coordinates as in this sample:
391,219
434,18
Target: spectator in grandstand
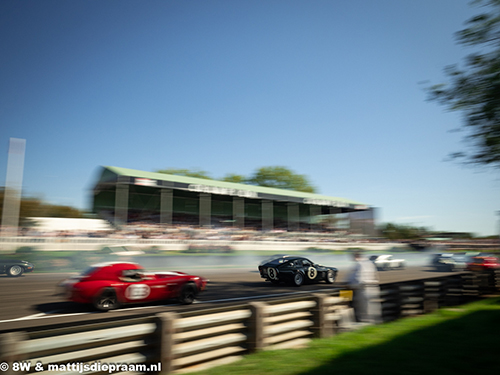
363,280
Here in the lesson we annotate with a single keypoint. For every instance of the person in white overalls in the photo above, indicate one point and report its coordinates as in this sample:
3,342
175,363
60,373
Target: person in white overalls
363,280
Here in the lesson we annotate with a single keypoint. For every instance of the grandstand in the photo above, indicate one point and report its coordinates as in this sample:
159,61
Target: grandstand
123,196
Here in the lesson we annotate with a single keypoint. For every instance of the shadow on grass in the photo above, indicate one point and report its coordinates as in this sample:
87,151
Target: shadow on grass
465,345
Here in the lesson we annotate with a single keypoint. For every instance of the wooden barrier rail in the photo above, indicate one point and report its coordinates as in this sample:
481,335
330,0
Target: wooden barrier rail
131,341
173,343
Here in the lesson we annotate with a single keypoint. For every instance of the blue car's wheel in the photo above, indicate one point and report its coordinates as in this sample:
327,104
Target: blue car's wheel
298,279
330,277
15,271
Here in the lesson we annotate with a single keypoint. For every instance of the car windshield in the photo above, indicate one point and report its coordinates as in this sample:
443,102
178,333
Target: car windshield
278,261
89,271
132,275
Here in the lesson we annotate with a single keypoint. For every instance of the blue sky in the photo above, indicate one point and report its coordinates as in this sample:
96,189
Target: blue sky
330,89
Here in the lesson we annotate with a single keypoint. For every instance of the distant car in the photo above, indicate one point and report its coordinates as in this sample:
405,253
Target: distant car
387,262
15,267
295,270
107,286
449,262
483,263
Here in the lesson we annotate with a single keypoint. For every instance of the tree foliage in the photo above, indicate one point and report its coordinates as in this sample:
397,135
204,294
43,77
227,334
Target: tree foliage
281,178
34,207
393,231
237,178
475,89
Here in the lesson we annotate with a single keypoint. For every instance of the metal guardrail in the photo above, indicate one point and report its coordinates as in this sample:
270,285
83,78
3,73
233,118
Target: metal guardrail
173,343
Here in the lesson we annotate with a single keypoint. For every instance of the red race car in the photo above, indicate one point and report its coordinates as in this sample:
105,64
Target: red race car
483,263
109,285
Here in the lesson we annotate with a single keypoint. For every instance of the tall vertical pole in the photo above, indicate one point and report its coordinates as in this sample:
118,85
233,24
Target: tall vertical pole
293,215
166,206
498,213
121,202
267,215
314,212
205,209
239,212
13,186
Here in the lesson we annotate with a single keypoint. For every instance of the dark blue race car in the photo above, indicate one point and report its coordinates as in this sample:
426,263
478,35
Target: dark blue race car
15,267
295,270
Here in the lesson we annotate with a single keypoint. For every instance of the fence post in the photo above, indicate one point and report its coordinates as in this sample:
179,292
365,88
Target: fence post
256,327
321,327
496,279
431,295
489,282
166,330
10,352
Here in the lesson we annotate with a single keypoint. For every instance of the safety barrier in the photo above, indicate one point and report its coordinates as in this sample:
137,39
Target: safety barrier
130,341
195,340
213,337
416,297
207,339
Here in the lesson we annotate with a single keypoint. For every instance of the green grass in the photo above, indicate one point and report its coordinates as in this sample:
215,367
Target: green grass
460,340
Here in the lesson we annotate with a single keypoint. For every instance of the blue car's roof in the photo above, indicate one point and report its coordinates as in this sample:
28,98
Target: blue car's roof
281,259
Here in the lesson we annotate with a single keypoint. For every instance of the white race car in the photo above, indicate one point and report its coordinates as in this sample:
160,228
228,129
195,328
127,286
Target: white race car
387,262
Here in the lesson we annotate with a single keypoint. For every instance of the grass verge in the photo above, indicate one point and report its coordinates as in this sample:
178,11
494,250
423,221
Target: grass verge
459,340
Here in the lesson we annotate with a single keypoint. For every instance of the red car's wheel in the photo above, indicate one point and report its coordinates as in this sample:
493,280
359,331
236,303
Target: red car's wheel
188,294
106,300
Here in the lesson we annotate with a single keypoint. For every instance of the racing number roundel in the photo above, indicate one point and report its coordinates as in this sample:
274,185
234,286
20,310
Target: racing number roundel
311,273
137,291
271,272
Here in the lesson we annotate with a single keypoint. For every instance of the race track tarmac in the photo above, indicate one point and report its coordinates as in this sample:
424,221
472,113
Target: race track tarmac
32,298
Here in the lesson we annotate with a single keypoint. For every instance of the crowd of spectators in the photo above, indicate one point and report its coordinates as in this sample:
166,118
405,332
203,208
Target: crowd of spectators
145,230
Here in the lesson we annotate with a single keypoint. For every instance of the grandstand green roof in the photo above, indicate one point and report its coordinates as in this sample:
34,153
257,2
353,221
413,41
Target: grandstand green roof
217,187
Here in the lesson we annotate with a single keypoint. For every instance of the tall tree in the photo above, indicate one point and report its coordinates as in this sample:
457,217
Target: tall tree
34,207
475,89
282,178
